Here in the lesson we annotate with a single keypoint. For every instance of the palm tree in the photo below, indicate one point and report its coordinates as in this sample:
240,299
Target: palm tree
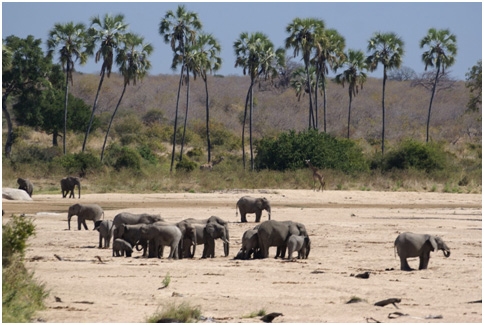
71,40
206,59
179,30
353,76
329,53
134,64
300,83
109,33
388,50
256,55
442,49
303,35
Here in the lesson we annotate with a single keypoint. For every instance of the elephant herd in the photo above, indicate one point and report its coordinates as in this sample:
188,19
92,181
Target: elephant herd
151,233
68,185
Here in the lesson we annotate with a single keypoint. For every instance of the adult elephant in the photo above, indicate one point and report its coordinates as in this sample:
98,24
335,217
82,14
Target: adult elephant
68,184
84,212
132,235
26,185
248,204
189,241
159,236
276,233
217,221
409,244
127,218
105,229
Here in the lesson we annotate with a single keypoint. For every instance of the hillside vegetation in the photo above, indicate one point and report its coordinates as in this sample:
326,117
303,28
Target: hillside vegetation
139,150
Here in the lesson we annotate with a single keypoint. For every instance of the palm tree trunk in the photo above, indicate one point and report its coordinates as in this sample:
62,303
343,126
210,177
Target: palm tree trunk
186,114
349,112
176,119
93,110
250,127
243,124
431,100
9,142
316,99
207,109
324,103
383,110
111,121
311,112
55,134
66,96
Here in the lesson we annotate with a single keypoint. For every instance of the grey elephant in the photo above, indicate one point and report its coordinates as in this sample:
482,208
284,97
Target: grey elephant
215,220
299,244
128,218
26,185
105,229
409,244
132,234
276,233
211,232
159,236
68,184
84,212
122,247
188,242
248,204
250,245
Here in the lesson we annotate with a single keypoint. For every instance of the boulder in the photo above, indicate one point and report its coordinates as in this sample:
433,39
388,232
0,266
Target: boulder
15,194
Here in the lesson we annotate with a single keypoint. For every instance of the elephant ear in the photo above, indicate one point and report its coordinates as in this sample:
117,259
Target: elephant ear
433,243
259,203
210,229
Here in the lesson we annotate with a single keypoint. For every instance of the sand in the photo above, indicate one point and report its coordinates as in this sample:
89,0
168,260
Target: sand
352,232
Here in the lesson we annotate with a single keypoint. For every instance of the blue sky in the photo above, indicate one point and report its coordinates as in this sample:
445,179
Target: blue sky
356,21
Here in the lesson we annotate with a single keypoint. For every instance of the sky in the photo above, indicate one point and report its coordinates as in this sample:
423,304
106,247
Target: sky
355,21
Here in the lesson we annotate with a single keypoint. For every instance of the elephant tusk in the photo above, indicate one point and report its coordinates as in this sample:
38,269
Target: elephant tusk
446,253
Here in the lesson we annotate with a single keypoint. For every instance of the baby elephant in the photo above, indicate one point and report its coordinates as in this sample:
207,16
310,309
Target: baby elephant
299,244
26,185
409,244
120,247
105,229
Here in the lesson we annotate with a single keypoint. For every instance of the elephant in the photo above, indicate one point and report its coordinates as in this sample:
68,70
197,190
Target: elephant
84,212
159,236
68,184
128,218
299,244
250,244
248,204
26,185
218,221
105,229
132,234
189,239
409,244
276,233
211,232
120,247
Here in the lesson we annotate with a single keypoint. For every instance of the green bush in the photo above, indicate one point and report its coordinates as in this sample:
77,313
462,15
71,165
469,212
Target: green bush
122,157
290,150
186,165
183,313
34,154
409,154
14,237
146,153
79,163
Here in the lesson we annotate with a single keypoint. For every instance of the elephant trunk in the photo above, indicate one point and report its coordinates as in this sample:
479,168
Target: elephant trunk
79,187
69,216
446,252
269,211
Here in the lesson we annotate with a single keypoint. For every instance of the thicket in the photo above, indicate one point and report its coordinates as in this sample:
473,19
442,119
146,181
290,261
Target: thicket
22,295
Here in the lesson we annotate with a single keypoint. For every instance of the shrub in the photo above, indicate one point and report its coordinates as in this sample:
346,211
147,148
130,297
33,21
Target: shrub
290,150
183,313
146,153
122,157
79,163
186,165
14,237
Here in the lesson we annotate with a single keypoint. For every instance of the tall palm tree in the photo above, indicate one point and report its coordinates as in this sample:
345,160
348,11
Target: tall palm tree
179,29
206,60
303,35
354,76
442,49
329,54
300,83
71,41
133,61
256,55
387,50
109,33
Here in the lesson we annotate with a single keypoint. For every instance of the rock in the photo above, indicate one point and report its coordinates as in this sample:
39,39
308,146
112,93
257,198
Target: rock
15,194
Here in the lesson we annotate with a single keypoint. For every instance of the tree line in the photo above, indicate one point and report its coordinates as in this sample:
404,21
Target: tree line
33,79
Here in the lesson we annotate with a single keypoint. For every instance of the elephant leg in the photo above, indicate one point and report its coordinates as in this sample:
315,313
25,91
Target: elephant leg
152,249
101,241
258,215
404,264
424,260
243,217
84,223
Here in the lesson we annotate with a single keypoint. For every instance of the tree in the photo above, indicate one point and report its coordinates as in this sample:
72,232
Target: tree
71,41
206,59
24,66
353,76
387,50
133,63
300,83
329,54
474,83
256,55
109,33
179,30
303,36
440,54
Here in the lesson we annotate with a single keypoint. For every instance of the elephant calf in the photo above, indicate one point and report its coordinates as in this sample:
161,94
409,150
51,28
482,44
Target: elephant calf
408,244
105,229
120,247
299,244
250,245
